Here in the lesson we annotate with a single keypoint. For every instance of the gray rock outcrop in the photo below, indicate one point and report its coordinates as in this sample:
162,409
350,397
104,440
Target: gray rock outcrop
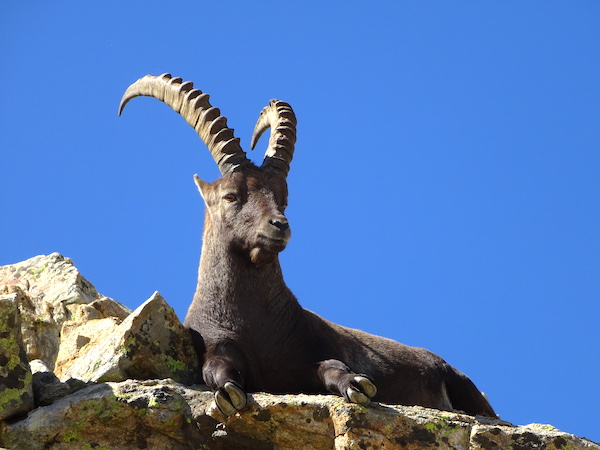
162,414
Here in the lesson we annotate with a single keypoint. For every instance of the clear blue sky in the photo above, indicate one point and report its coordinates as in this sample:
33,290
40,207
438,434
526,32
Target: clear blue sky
445,187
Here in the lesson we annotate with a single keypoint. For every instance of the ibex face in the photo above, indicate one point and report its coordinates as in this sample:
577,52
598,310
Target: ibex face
245,209
245,206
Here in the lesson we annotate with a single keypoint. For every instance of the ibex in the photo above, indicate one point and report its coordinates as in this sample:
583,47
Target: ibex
248,327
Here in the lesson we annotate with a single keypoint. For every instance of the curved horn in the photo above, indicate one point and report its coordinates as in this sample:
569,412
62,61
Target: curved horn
194,107
280,117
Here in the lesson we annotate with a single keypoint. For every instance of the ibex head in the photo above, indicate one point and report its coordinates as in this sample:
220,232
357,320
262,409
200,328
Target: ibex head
245,207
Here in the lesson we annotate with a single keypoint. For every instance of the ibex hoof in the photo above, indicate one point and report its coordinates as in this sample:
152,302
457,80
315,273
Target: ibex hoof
361,391
230,399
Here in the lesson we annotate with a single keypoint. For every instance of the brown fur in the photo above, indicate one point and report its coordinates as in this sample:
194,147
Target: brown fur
254,335
248,327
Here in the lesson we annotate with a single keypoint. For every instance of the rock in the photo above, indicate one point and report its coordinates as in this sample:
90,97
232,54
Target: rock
287,421
534,435
47,388
79,334
55,292
150,343
79,340
126,415
16,389
167,415
37,365
327,422
57,282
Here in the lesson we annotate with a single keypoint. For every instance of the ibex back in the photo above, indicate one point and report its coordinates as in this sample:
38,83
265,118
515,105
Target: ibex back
248,327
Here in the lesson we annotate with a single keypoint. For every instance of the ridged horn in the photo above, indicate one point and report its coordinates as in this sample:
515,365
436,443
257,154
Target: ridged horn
194,107
280,117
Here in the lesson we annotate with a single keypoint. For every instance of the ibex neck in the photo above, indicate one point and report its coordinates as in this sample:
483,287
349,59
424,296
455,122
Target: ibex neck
237,297
225,276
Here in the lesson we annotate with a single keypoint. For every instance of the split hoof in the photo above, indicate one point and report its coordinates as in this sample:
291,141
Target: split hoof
230,399
366,385
361,391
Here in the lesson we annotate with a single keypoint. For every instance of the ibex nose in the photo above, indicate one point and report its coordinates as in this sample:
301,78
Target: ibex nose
280,222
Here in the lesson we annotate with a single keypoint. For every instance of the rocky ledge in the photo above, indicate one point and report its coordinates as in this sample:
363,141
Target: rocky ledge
80,371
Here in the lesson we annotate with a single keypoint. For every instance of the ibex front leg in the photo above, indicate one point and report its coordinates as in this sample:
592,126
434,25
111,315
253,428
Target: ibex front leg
339,379
226,381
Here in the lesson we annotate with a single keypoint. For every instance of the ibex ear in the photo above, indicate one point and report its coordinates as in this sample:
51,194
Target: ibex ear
203,186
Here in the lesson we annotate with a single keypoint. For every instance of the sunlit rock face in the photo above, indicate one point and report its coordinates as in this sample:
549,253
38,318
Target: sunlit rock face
54,293
80,370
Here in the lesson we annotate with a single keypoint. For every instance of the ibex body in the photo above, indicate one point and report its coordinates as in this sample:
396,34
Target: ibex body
248,327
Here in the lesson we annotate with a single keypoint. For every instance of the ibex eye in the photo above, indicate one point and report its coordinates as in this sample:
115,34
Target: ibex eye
230,198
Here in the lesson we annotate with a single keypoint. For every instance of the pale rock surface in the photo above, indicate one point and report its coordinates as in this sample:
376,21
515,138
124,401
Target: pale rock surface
77,339
55,292
150,343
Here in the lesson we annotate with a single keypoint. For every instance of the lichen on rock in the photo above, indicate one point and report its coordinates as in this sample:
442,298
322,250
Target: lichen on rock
126,415
149,343
16,389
